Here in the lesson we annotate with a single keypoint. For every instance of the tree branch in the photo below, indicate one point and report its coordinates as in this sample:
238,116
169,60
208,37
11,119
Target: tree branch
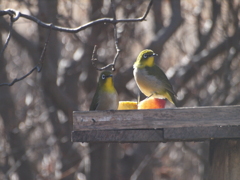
185,73
204,38
94,58
16,15
8,39
157,43
165,33
38,67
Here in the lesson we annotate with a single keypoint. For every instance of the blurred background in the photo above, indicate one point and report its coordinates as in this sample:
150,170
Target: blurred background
198,46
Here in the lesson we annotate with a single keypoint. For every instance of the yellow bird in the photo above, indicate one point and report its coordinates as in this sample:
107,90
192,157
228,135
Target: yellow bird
106,96
150,79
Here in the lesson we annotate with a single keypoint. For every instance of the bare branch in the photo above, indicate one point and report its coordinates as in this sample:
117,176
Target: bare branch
204,38
38,67
187,72
16,15
40,63
94,60
157,43
115,38
147,160
165,33
115,21
8,39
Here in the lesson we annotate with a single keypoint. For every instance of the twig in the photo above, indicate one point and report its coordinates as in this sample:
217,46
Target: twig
141,166
17,15
147,160
40,63
115,37
8,38
38,67
115,21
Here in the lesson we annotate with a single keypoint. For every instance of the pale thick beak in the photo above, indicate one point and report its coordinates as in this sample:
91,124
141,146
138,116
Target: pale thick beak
154,54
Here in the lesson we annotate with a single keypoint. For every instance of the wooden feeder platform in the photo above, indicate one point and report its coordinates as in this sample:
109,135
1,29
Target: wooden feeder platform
220,125
157,125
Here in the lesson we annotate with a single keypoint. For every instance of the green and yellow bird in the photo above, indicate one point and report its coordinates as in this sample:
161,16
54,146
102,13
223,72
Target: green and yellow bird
150,79
106,96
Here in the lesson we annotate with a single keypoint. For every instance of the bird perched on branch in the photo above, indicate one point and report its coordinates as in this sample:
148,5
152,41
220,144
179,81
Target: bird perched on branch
106,96
150,79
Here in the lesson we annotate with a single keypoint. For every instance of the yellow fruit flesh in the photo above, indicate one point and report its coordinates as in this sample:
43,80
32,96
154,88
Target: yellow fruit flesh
127,105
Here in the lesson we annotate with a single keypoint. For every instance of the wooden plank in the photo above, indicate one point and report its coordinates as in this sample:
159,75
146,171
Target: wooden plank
201,133
180,124
118,136
157,118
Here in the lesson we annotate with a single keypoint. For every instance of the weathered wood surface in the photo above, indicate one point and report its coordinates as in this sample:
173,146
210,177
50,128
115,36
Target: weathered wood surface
224,159
177,124
115,136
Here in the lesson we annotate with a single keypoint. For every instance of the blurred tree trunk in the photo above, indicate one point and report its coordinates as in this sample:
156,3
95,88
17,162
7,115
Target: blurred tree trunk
53,96
103,156
224,159
10,121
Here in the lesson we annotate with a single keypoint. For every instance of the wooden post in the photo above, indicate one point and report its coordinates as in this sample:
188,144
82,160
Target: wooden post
224,159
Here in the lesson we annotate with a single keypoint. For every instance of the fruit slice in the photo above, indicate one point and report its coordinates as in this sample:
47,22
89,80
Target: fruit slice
127,105
152,103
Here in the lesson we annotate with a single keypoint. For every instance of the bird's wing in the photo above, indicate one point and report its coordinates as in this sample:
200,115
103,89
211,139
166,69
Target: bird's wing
94,103
157,72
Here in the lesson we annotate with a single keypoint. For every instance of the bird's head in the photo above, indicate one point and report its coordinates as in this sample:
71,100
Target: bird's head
145,58
106,81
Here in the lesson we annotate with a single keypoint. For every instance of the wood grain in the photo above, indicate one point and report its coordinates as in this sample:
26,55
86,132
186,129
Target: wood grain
177,124
118,136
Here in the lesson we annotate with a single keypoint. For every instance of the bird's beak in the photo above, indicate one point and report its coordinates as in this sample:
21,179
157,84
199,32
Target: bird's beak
154,54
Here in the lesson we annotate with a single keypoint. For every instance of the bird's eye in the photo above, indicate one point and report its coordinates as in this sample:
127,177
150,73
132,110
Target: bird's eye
103,76
145,56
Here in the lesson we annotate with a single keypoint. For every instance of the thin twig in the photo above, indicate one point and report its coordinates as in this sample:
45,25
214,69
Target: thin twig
17,15
147,160
114,22
8,39
40,63
115,37
95,60
38,67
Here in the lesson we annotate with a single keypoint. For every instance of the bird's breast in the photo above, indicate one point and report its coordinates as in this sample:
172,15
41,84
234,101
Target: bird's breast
148,84
108,101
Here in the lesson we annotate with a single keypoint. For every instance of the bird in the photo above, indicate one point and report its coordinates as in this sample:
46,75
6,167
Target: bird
150,79
106,96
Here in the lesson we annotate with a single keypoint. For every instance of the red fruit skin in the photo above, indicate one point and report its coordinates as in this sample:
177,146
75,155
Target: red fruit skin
152,103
